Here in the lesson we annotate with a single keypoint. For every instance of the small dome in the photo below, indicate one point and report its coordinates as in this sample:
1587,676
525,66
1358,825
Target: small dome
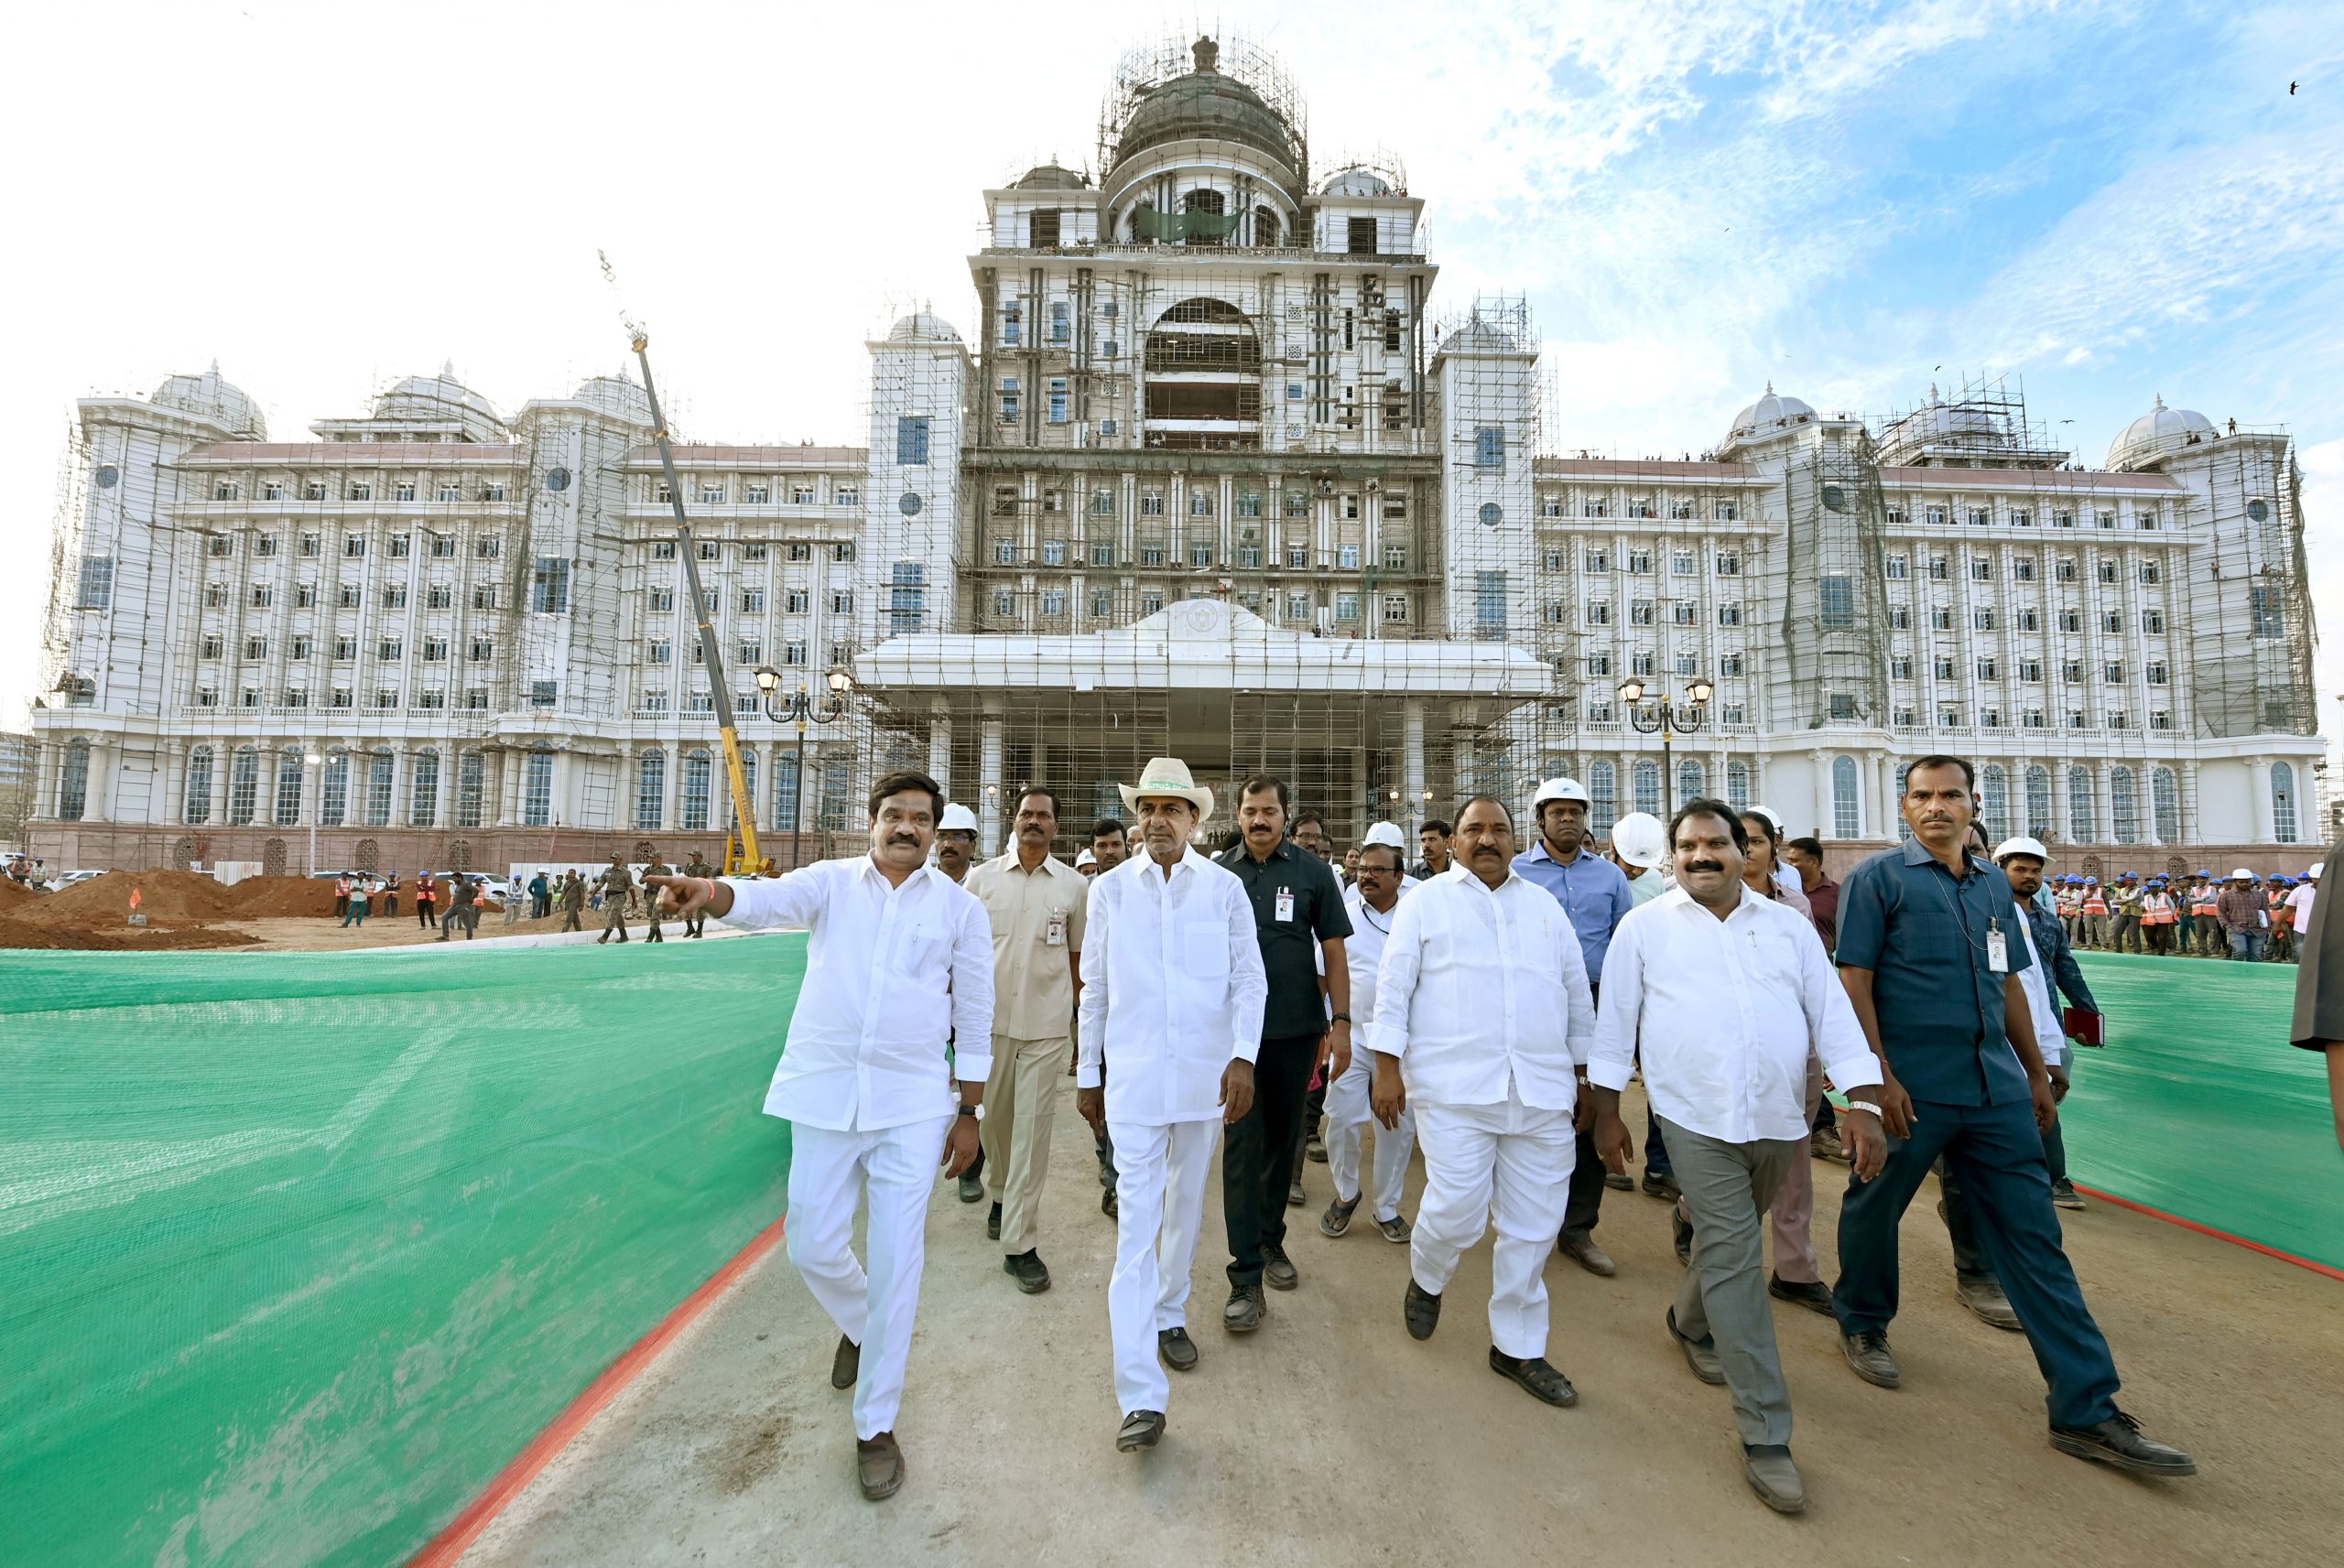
1050,177
208,398
2156,433
617,395
923,327
1205,106
1771,412
439,399
1478,336
1356,182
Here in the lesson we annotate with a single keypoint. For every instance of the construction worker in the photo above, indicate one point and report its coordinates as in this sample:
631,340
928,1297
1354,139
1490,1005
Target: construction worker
956,842
2124,915
463,908
2094,921
698,866
2158,917
341,898
573,898
2244,918
618,885
656,868
427,899
353,901
2275,894
391,894
540,895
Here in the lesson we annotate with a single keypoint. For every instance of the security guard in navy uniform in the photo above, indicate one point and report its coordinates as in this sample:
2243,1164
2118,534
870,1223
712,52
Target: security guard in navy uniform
1930,952
696,866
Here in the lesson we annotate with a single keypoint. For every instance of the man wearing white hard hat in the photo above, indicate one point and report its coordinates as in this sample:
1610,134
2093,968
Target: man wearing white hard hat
2299,904
2245,919
1380,882
1088,864
2024,861
1639,844
956,842
1172,994
1595,898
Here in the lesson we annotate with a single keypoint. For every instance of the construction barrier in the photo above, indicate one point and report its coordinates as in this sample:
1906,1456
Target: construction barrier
297,1250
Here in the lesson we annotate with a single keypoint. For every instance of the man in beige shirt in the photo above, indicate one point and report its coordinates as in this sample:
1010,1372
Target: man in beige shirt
1036,905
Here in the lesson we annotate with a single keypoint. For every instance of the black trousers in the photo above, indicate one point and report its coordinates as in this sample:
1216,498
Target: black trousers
1584,1206
1257,1163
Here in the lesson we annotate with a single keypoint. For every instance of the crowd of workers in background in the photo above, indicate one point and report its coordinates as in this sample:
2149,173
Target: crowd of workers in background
2254,919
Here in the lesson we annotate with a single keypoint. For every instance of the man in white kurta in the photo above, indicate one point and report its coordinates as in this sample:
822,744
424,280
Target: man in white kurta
1482,1022
1371,900
899,959
1172,995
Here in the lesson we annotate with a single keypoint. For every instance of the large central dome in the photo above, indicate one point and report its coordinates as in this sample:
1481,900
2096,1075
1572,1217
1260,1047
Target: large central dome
1205,105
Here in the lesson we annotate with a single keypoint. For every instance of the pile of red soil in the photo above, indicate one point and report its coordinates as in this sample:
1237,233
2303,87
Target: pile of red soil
164,898
280,898
14,893
70,935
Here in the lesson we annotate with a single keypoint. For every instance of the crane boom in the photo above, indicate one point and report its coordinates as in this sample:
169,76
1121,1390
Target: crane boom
712,655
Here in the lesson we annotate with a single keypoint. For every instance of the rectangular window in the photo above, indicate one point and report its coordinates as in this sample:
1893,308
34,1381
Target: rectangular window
752,602
345,648
389,649
1488,447
1395,608
1896,566
1729,615
299,648
1013,321
550,587
394,596
1838,602
1599,613
1680,563
96,591
1488,603
1640,613
1727,510
1359,235
1728,562
353,546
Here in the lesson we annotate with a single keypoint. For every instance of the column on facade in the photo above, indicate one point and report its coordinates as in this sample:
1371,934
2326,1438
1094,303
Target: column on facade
400,762
671,786
2258,783
508,785
2185,810
989,789
443,804
1879,784
2103,797
1824,816
939,745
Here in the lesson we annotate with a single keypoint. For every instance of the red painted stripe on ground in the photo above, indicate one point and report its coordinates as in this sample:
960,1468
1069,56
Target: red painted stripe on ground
2332,1274
452,1543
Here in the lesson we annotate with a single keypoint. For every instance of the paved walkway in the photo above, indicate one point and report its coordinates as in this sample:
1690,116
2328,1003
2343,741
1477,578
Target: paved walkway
1330,1436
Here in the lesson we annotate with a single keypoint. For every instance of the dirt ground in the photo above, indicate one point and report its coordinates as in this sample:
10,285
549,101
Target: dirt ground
1330,1436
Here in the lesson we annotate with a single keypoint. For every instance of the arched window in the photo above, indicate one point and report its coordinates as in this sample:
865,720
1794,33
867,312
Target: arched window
1603,796
2282,802
1646,777
1737,786
692,815
288,788
536,789
334,789
1847,803
272,857
1994,794
1265,228
786,795
471,780
1203,220
382,772
369,857
243,786
423,789
2038,802
2083,812
650,789
2123,806
2165,799
73,782
198,787
1692,781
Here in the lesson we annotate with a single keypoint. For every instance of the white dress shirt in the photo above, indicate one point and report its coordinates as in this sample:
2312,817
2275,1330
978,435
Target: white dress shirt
1727,1013
2041,1007
1172,987
1483,994
891,974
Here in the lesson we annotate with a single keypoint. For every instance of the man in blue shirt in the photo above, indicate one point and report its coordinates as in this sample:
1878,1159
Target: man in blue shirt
1595,898
1931,953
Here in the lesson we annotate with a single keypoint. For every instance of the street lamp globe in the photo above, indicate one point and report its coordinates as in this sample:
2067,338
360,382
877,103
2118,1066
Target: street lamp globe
1702,690
767,678
313,760
1631,690
841,682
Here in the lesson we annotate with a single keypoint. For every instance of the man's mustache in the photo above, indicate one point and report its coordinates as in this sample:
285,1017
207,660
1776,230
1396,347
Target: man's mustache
1485,849
1705,865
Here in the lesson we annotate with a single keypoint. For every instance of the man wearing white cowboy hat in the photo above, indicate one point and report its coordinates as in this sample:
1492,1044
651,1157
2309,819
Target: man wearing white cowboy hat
1171,1008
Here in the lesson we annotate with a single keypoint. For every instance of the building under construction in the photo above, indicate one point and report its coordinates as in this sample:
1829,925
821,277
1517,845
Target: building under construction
1210,476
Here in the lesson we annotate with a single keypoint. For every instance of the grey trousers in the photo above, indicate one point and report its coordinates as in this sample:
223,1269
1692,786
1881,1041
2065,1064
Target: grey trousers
1728,1188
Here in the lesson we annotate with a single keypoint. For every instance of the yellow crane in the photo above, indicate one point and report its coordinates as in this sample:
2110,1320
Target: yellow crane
740,854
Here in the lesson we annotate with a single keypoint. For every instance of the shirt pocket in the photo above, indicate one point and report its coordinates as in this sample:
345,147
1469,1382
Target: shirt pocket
1203,950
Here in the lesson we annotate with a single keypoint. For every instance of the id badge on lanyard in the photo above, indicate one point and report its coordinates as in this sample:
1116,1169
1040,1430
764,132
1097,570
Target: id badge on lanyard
1285,904
1998,948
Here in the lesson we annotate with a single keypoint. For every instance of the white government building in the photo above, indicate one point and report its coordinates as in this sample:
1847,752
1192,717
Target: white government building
1209,478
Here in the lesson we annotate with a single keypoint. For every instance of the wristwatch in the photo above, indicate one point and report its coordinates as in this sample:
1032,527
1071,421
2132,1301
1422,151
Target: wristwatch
1340,1018
970,1111
1863,1105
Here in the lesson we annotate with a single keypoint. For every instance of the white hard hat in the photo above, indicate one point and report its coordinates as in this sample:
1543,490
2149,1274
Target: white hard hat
1559,789
957,818
1772,816
1385,833
2022,845
1085,858
1639,838
2242,875
2314,873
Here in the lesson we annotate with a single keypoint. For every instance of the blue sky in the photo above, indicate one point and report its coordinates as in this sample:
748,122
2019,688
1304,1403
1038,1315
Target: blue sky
2110,201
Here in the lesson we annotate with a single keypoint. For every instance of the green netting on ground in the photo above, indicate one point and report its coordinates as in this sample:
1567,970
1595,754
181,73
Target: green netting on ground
2199,1106
297,1250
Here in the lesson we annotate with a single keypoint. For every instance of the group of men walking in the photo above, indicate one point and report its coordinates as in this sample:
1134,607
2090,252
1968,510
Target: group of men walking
1504,998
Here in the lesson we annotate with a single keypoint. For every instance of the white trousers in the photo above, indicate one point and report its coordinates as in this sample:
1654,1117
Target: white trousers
894,1170
1159,1206
1348,1116
1506,1158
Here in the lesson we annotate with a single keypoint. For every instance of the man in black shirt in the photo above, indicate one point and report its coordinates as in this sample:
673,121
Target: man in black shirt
1299,917
1434,836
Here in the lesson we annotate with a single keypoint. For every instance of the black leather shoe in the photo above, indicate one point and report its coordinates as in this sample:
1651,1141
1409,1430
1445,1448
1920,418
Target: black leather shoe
1246,1309
973,1187
1540,1379
1026,1269
1140,1429
992,1224
1421,1310
1659,1186
1110,1205
1179,1351
846,1362
2118,1440
1278,1269
1814,1294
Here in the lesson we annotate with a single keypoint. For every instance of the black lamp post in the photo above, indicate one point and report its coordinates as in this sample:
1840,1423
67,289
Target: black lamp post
798,708
1663,716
